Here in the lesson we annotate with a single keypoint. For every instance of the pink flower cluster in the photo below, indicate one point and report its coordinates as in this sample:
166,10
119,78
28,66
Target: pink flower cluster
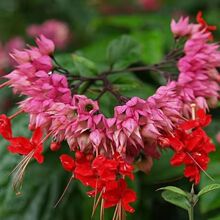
33,77
106,147
198,78
137,125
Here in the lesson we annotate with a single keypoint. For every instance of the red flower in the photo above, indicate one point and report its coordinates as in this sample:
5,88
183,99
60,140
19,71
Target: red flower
106,169
84,171
192,146
25,146
117,192
104,175
67,162
204,25
202,120
5,127
124,168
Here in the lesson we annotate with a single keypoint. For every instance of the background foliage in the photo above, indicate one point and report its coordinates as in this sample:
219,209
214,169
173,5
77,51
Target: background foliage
146,38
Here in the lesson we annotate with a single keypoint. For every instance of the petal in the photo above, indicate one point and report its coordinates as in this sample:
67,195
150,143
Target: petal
178,159
37,135
67,162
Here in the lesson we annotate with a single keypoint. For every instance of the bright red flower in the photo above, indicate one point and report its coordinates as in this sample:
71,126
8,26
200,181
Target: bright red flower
84,171
204,25
5,127
106,169
202,120
67,162
192,146
104,175
117,192
25,146
124,168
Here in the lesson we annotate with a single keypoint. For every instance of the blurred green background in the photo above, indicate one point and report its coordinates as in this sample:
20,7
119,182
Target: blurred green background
93,24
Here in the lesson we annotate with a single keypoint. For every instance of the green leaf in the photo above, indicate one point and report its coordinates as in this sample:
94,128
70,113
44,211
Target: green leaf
126,82
123,52
152,45
209,188
176,199
66,61
174,190
84,66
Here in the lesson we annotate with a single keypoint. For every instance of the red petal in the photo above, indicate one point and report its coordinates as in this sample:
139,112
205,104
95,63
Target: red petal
67,162
20,145
176,144
5,127
189,125
178,159
193,173
37,136
203,118
39,158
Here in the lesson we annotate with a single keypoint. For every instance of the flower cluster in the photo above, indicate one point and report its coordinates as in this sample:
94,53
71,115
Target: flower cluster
21,145
106,177
105,147
192,146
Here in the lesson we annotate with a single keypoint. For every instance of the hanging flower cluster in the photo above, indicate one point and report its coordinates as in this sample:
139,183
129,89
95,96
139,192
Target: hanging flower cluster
105,148
192,146
105,176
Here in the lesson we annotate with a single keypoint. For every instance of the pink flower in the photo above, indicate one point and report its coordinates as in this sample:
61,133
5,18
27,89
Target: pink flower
45,45
20,56
181,28
43,63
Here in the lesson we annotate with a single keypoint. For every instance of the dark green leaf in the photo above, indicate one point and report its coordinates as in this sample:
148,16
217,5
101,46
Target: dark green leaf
174,190
209,188
152,45
66,61
176,199
84,66
123,51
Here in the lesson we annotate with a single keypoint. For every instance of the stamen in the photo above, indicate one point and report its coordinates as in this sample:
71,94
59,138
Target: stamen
115,213
120,211
193,107
200,167
64,192
97,203
22,165
15,114
102,210
7,83
94,202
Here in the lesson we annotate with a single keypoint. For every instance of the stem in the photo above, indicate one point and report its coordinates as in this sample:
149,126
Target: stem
191,213
192,203
59,67
76,81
